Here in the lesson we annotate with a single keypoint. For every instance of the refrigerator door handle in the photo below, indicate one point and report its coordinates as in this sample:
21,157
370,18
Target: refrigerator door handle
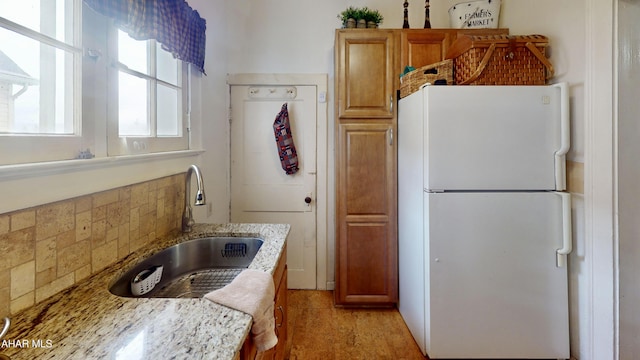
565,141
567,247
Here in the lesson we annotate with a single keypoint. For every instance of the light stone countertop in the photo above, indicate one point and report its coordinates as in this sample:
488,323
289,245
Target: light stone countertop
86,321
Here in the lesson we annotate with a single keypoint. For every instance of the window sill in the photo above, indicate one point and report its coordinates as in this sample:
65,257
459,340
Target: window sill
28,185
20,171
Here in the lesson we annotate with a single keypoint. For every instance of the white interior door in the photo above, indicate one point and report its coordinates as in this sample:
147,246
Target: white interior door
261,192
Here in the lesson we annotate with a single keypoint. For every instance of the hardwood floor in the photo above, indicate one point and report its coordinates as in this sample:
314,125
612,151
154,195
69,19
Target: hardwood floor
318,330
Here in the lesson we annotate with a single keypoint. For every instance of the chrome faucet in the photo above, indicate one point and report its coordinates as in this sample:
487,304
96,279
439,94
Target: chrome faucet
187,215
5,328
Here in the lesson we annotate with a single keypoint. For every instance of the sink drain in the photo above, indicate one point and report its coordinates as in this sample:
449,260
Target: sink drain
197,284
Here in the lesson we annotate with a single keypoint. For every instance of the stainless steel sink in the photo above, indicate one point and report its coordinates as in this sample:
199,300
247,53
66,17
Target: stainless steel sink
192,268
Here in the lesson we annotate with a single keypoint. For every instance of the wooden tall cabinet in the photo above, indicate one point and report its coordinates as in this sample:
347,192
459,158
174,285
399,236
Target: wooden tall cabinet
366,246
368,63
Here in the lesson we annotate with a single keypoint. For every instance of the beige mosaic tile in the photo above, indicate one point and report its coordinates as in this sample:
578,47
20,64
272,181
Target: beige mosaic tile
83,225
22,302
106,198
160,208
4,224
5,278
46,276
104,256
148,223
83,272
5,300
73,257
23,279
54,219
98,232
139,195
66,239
136,241
153,200
144,209
50,247
125,193
54,287
84,203
23,220
575,177
123,240
117,214
134,219
18,247
99,213
46,255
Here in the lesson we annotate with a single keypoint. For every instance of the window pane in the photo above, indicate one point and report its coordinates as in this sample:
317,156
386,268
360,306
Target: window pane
167,66
168,116
36,87
133,119
132,53
47,17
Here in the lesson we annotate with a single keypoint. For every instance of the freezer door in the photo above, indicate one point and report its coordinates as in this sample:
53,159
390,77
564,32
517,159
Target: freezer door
495,137
495,288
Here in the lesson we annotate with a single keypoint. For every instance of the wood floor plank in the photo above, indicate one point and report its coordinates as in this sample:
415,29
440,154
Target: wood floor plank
318,330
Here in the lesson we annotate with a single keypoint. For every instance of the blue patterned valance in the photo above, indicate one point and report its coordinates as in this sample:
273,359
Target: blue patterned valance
173,23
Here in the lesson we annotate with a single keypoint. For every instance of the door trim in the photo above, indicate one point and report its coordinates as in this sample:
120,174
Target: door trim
600,179
323,188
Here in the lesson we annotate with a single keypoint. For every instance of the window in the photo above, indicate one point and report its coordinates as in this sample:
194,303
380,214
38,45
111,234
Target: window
39,80
59,96
149,98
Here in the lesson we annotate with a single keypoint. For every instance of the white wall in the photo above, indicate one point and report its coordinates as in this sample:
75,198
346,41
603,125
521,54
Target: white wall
210,107
289,36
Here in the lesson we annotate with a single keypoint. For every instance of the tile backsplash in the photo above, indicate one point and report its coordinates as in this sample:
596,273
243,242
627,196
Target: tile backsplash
48,248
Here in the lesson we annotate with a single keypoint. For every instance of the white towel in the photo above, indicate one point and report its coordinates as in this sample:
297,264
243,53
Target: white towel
252,292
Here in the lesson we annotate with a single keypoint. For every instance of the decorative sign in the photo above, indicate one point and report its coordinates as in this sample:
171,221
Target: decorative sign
482,14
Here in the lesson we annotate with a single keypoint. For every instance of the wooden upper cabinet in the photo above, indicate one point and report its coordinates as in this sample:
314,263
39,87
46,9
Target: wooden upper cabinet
420,47
367,72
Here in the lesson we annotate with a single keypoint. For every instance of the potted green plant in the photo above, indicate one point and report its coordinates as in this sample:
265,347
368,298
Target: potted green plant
361,13
349,17
373,18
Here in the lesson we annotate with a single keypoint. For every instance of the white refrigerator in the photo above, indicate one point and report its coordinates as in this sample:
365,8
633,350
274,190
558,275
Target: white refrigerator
484,227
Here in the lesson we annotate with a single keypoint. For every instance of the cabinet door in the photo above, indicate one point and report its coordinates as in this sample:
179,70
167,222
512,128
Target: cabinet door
423,47
365,73
280,351
366,246
281,319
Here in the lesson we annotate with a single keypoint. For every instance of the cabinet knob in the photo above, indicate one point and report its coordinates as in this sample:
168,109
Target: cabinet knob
307,200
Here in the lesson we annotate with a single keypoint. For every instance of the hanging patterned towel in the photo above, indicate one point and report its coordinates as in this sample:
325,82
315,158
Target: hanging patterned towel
284,141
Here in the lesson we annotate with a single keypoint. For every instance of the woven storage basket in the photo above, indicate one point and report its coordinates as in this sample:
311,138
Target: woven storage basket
440,73
500,60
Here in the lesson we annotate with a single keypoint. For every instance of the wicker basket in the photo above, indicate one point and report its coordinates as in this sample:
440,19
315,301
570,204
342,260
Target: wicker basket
440,73
500,60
